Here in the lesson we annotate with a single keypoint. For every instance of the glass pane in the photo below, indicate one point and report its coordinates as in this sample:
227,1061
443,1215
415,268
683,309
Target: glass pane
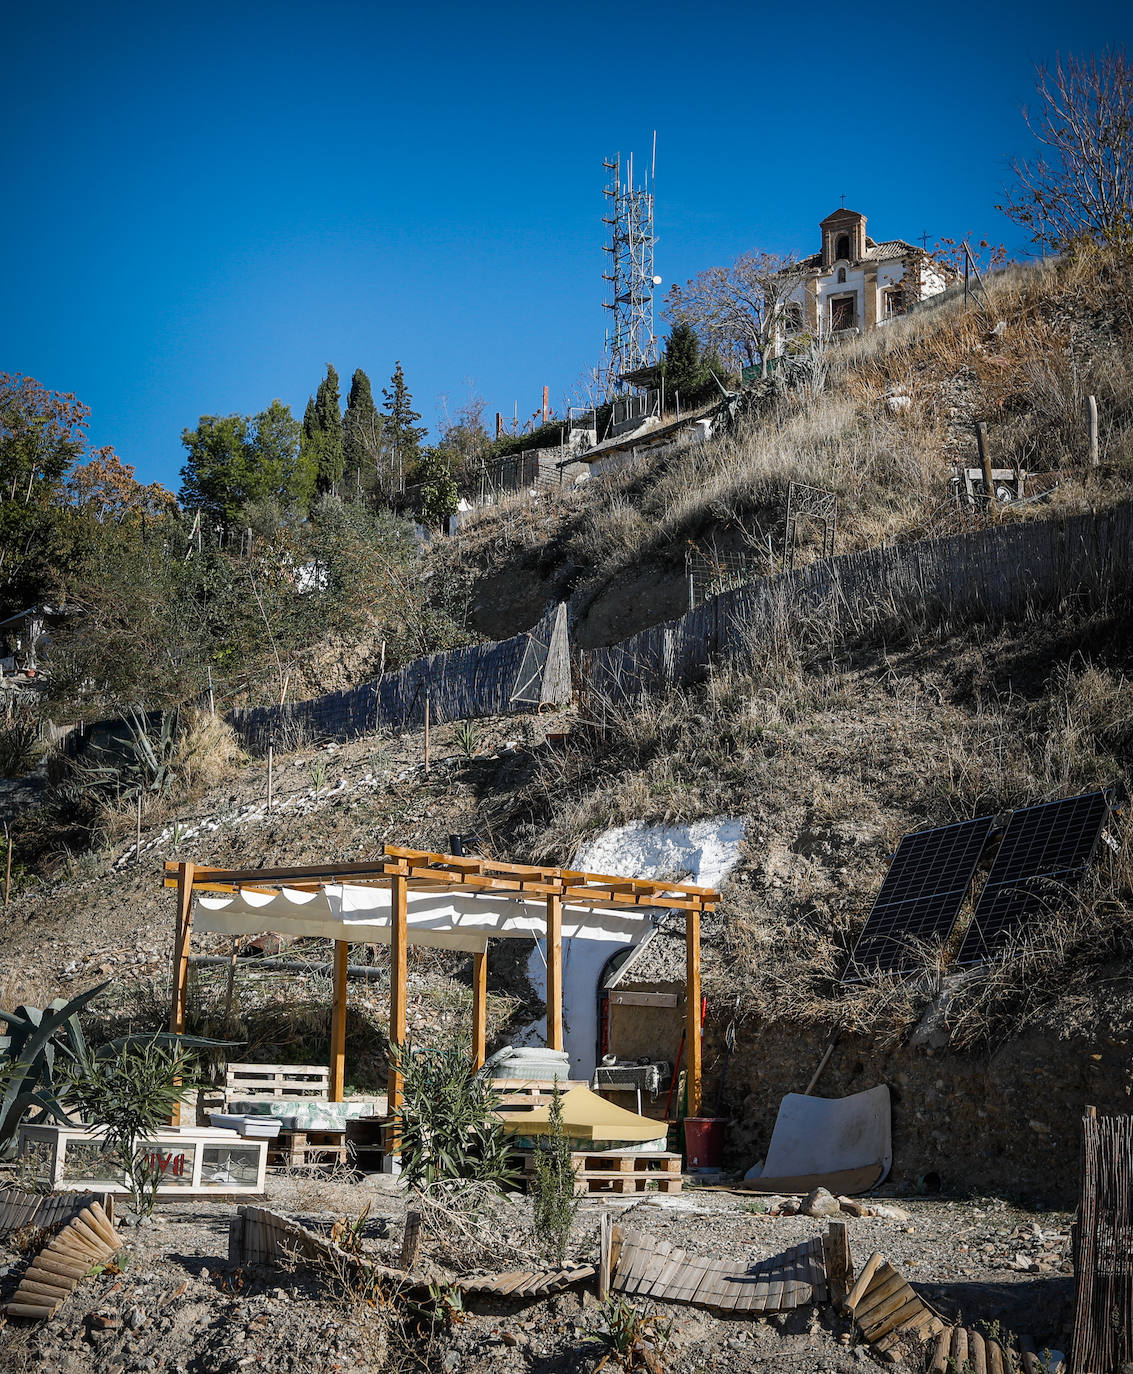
36,1158
230,1166
89,1161
175,1159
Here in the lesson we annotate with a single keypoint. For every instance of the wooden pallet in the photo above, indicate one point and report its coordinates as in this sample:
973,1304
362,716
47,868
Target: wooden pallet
887,1310
515,1093
275,1080
527,1283
639,1265
307,1149
46,1210
620,1171
54,1274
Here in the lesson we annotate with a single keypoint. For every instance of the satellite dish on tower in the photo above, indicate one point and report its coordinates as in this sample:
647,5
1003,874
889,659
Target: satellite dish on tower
656,281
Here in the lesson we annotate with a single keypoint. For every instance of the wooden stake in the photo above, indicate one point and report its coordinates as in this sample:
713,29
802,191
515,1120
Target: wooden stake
338,1023
7,864
271,761
1092,428
479,1009
985,462
230,993
692,1009
554,972
426,732
181,943
839,1262
411,1240
138,831
398,978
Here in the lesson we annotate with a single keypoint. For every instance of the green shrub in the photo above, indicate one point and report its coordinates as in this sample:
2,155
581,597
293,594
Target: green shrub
552,1185
447,1123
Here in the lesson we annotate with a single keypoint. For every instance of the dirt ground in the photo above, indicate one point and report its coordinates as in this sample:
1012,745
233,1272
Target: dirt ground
177,1307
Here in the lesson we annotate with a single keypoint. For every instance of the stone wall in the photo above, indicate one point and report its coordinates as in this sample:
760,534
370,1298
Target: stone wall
1004,1122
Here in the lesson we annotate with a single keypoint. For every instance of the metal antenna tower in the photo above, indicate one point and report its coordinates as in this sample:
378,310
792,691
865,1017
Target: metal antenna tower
630,271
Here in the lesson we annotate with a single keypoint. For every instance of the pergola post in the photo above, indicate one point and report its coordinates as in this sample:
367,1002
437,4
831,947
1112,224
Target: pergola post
338,1023
554,971
183,935
692,1009
479,1009
398,980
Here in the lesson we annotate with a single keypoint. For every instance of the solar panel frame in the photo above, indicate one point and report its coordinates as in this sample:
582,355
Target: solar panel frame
1044,845
920,897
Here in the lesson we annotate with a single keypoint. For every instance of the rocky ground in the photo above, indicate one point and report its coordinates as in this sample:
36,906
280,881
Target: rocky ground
175,1306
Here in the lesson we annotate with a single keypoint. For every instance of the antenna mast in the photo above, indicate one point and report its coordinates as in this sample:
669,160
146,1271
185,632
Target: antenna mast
629,214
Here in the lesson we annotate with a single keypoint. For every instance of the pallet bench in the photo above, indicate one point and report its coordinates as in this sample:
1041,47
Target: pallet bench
620,1171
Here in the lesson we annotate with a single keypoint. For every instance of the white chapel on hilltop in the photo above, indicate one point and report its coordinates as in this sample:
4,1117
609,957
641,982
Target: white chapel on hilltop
854,284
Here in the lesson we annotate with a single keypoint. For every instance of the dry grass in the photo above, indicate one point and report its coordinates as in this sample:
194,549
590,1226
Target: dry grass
831,763
207,752
1066,333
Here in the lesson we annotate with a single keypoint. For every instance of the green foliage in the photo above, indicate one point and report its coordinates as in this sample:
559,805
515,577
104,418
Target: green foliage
554,1205
235,461
42,433
402,433
322,443
361,438
688,370
130,1092
631,1339
450,1133
439,495
467,738
20,748
28,1054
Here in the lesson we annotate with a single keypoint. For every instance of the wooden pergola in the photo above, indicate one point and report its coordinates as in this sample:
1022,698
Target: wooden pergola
403,871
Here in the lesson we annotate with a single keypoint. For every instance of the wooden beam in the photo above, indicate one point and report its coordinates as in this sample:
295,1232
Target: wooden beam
479,1009
554,973
398,980
183,935
338,1023
692,1009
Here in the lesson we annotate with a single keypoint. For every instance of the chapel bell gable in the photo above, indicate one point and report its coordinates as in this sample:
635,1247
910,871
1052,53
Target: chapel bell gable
843,237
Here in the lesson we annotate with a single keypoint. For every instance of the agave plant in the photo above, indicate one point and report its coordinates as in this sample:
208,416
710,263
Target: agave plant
27,1058
45,1050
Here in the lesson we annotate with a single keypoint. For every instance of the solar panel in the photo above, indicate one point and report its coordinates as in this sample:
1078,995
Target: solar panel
1052,842
920,897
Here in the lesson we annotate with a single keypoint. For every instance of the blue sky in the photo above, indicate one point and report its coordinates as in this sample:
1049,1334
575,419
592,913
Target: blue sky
204,204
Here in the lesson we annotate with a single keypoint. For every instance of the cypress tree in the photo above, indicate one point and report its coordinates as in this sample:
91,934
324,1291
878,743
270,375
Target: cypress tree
361,437
322,433
402,435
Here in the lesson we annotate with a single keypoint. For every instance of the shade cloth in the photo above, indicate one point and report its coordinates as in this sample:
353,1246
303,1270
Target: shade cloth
443,920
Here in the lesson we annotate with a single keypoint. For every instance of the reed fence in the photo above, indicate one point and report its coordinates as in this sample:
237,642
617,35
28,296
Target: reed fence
1103,1249
1005,570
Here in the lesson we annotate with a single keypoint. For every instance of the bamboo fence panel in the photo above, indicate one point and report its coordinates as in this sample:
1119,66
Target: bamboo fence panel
1103,1258
1011,569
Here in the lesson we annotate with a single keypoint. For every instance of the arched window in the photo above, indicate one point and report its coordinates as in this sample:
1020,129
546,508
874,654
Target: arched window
842,247
841,275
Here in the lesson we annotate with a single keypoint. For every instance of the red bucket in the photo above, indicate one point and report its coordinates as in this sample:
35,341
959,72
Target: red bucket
704,1141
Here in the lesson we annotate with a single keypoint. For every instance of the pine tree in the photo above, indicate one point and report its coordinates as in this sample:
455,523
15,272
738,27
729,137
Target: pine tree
361,437
322,445
403,437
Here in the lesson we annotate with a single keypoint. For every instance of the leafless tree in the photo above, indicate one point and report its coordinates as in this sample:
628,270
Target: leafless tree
737,311
1081,185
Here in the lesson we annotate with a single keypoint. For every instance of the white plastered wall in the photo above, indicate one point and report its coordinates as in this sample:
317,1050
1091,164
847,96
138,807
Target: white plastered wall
703,853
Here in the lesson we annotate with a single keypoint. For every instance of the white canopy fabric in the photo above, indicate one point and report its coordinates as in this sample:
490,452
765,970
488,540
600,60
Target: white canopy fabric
440,920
